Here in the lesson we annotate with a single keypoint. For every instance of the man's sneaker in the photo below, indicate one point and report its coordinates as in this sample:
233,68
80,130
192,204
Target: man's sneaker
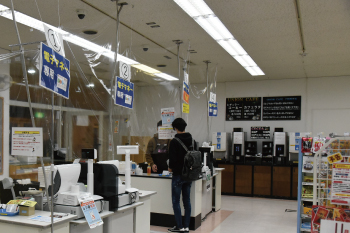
186,230
175,229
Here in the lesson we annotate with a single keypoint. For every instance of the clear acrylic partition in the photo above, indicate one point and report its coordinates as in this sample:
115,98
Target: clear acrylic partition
88,119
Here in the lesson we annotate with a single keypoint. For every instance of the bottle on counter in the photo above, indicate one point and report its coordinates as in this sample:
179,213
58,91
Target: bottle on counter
148,170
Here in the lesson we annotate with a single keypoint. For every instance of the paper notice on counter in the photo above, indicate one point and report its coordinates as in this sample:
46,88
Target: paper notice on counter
91,213
43,218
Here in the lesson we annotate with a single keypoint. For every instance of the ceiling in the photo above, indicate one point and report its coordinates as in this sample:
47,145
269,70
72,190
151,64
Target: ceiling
267,29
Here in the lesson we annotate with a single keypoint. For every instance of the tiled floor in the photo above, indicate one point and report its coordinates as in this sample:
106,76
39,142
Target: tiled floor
245,214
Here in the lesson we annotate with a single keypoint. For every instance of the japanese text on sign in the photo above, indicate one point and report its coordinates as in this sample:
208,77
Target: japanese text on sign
27,141
54,71
124,93
213,109
334,158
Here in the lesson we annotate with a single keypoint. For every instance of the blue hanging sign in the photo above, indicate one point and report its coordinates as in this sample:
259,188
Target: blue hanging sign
213,109
54,71
124,93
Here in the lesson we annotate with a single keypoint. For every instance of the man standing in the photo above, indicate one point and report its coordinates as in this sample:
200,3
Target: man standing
176,162
157,153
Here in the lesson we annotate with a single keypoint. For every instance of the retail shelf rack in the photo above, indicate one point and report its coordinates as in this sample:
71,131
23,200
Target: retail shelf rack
322,176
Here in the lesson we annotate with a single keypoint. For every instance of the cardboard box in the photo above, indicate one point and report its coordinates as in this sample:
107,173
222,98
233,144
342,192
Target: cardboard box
26,210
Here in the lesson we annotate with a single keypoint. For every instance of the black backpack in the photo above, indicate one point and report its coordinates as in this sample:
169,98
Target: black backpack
192,169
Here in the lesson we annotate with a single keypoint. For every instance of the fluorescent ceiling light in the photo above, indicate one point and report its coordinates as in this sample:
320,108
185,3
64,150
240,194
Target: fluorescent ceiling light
31,71
205,17
37,24
146,69
90,85
166,77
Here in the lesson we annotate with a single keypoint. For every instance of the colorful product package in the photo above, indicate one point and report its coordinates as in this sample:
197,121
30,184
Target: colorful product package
321,213
306,145
307,192
317,144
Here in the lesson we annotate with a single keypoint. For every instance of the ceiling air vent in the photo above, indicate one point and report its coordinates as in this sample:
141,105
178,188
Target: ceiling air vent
167,57
161,65
151,23
155,26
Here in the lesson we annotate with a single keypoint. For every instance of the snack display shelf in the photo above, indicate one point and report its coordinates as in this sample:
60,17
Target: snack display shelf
305,229
305,216
311,183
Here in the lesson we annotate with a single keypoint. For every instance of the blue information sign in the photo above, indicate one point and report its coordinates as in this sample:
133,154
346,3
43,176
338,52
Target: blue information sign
124,93
213,109
54,71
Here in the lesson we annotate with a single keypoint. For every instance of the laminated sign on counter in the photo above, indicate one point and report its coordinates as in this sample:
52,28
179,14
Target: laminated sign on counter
54,71
124,93
91,213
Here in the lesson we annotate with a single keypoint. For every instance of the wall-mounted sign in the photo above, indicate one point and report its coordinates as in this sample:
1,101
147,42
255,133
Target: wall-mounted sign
282,108
243,109
168,116
54,71
260,132
27,141
185,108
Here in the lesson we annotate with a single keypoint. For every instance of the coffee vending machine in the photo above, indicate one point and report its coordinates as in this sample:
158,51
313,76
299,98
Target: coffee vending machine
238,140
280,152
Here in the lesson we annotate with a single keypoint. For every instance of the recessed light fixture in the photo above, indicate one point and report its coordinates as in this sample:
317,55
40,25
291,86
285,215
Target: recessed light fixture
31,71
205,17
90,32
39,25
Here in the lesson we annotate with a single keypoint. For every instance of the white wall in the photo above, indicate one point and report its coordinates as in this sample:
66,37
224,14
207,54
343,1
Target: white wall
5,69
325,105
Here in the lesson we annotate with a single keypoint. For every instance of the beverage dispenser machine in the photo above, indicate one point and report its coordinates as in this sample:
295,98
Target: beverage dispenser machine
221,143
280,146
238,139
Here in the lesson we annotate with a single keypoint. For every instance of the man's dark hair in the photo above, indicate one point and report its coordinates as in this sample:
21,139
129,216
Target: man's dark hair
180,124
159,124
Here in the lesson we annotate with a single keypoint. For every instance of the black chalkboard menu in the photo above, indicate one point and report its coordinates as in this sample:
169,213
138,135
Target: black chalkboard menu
282,108
243,109
260,132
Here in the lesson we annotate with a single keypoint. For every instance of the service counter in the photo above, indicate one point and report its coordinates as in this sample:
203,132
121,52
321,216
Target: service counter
271,181
204,198
131,218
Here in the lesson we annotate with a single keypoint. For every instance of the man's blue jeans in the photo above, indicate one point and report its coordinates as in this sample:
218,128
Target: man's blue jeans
178,185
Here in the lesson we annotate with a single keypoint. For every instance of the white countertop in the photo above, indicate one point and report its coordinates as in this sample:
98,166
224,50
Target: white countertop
105,214
25,220
144,193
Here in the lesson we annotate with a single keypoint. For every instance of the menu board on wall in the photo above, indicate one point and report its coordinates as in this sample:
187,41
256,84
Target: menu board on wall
282,108
260,132
243,109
